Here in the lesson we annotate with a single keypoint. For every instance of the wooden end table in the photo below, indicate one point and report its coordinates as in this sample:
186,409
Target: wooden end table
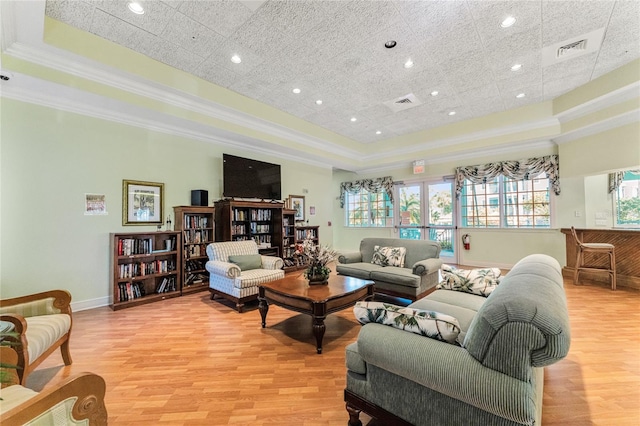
294,292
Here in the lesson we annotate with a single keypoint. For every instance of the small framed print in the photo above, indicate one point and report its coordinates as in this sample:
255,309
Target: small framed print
296,202
142,202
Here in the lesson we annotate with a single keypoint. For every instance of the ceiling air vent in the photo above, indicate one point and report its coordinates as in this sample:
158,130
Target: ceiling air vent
403,102
572,48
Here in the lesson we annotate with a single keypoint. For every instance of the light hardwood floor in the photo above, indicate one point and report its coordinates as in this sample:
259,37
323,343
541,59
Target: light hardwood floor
192,361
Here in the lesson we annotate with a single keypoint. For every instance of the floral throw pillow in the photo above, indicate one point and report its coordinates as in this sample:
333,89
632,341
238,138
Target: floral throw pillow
389,256
425,323
476,281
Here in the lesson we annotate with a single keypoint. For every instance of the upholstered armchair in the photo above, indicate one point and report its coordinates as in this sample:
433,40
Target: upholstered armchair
79,400
236,270
42,323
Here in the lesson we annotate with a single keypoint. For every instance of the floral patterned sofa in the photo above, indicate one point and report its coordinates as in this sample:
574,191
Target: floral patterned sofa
239,281
412,275
475,360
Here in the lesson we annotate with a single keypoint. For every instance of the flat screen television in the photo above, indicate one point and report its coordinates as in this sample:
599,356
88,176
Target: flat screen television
246,178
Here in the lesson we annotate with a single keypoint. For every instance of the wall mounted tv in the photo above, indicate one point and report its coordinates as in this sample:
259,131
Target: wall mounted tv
246,178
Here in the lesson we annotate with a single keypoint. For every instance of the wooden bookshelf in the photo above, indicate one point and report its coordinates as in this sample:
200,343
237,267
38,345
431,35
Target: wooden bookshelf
197,225
303,232
145,267
250,220
289,257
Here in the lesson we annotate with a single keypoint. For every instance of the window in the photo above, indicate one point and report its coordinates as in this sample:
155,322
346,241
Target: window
365,208
627,200
507,203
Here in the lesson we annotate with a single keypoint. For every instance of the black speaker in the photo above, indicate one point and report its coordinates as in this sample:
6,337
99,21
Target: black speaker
199,197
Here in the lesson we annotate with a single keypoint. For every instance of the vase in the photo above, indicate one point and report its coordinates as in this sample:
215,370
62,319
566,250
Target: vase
318,279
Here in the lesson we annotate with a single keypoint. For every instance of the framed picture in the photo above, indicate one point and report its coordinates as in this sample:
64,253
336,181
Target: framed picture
296,202
142,202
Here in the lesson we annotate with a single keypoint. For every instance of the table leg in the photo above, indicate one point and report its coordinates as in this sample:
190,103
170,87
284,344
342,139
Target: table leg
263,307
318,331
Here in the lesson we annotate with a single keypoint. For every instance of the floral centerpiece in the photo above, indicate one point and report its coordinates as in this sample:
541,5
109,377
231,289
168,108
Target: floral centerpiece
317,257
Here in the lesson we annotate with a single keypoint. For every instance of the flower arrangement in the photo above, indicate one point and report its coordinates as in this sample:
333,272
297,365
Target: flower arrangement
318,257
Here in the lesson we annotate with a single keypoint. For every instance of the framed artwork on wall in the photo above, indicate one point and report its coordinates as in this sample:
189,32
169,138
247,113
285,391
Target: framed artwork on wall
296,202
142,202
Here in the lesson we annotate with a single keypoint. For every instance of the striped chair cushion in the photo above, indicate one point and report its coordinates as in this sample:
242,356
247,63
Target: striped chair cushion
43,331
32,309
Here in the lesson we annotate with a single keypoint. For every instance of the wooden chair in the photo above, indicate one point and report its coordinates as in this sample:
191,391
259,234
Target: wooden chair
77,400
43,324
602,248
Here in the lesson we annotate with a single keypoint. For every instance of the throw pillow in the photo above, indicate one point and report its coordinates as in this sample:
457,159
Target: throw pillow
389,256
425,323
476,281
246,262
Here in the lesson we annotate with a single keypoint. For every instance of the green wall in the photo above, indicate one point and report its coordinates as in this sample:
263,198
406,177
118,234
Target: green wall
50,159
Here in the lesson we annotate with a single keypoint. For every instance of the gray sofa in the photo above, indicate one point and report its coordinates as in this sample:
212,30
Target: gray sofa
494,378
418,277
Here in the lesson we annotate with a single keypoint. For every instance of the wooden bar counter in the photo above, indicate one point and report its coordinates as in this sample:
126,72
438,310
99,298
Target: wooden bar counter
627,243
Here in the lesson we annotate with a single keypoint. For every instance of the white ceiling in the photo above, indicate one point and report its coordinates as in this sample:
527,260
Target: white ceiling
334,51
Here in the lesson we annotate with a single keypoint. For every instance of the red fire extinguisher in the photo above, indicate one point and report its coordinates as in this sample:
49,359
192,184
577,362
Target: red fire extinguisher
466,241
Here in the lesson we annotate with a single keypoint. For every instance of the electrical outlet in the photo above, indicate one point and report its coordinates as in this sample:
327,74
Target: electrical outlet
578,213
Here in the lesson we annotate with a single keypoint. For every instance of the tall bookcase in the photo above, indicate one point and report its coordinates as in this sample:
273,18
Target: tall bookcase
145,267
291,261
197,225
251,220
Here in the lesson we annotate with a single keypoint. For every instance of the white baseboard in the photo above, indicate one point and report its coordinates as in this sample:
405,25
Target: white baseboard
83,305
488,265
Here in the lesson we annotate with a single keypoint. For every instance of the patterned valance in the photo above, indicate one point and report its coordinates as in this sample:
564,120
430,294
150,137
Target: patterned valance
519,169
615,179
372,185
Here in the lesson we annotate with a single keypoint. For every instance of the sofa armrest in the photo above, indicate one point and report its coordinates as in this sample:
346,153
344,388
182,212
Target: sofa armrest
448,369
78,398
45,303
226,269
272,262
427,266
350,257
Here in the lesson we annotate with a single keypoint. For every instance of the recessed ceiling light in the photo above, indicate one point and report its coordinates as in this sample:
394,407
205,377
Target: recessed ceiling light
296,90
408,64
434,93
508,21
136,7
378,132
354,119
390,44
452,113
236,59
319,102
520,95
516,67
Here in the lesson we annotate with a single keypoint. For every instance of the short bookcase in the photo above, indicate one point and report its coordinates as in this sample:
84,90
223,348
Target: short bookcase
145,267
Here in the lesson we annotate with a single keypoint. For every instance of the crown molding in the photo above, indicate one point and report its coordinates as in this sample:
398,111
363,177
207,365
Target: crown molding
599,127
509,148
623,94
469,137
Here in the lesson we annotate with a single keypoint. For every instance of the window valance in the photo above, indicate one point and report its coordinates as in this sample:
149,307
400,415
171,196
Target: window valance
518,169
615,179
372,185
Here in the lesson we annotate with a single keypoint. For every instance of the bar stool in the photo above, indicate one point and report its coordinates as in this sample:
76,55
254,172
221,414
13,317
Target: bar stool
582,248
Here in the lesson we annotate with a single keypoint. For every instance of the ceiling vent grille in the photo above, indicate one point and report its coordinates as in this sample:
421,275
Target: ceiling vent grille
403,102
572,48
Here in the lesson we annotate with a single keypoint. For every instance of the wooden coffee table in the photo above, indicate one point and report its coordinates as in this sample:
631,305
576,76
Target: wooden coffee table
294,292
